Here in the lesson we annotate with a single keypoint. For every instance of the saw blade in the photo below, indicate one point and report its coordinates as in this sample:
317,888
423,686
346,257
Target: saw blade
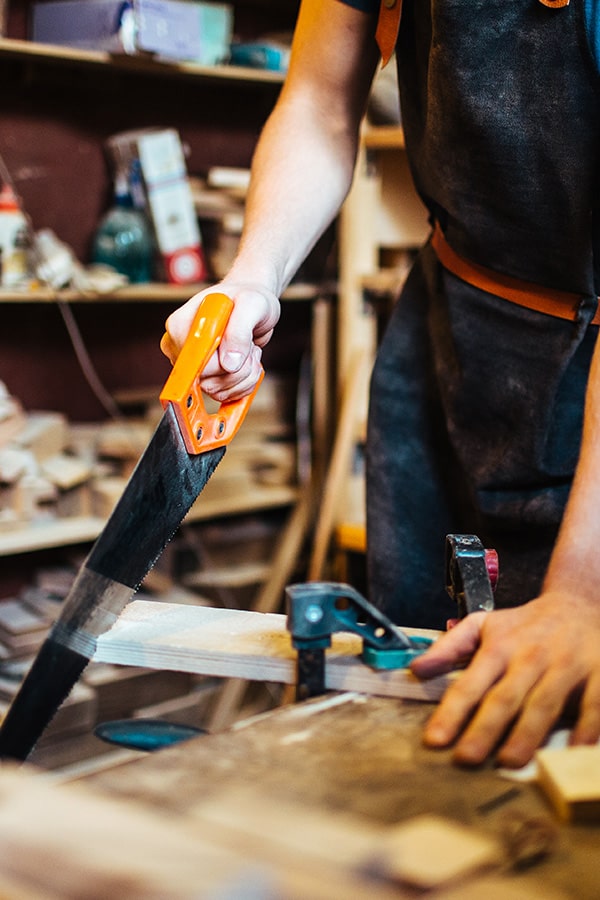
160,492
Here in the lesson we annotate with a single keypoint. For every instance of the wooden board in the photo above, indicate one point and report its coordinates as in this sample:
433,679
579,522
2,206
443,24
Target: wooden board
571,779
241,644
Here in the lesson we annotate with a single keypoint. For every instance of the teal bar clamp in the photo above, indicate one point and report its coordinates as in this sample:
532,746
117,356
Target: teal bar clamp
315,610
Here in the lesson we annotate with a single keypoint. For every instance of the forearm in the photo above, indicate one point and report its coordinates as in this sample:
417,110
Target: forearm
575,562
300,176
304,161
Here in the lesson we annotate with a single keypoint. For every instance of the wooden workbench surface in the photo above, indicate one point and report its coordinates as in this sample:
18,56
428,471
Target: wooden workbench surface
317,785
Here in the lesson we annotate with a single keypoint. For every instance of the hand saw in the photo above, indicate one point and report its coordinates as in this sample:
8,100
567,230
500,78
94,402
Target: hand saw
184,451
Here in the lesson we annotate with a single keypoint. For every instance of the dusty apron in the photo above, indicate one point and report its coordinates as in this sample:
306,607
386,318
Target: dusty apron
476,402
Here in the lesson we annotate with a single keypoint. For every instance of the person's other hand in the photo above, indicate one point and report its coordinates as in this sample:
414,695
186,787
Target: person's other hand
526,665
235,368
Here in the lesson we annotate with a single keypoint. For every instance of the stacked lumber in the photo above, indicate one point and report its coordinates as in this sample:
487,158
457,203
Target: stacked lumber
39,476
104,692
219,201
51,468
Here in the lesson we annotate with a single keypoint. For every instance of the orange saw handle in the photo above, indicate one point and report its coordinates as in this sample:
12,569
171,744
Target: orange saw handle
200,429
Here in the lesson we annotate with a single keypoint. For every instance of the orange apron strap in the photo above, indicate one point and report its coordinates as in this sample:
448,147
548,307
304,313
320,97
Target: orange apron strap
387,28
562,304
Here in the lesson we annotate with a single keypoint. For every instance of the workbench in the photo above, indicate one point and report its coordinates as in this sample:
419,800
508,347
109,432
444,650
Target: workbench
309,790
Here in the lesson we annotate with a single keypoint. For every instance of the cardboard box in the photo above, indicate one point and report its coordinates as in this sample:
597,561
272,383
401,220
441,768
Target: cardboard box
168,198
185,29
86,24
172,29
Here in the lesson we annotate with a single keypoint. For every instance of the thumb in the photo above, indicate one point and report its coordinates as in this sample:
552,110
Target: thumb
451,648
237,341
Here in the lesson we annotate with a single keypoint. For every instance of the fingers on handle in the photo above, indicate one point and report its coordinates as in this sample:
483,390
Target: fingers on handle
169,348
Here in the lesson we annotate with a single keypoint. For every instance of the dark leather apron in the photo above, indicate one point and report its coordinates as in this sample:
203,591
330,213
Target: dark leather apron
476,402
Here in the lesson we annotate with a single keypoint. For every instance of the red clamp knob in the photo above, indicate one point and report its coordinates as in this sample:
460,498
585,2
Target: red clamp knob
493,567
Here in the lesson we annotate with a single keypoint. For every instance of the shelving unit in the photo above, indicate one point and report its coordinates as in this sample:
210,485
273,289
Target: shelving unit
140,63
62,106
145,293
382,219
55,533
53,146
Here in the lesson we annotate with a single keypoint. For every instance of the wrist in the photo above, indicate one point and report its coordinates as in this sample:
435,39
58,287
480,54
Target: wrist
248,273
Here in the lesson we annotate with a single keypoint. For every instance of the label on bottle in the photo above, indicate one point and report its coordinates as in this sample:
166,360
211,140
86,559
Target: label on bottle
185,266
13,246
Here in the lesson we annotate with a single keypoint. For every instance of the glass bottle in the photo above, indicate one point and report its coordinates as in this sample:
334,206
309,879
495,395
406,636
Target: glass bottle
124,238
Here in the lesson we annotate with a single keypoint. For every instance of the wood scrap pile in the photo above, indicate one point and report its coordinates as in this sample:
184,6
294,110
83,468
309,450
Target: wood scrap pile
51,468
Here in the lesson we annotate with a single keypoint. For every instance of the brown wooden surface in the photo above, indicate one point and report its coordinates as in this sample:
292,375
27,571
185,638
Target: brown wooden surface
358,762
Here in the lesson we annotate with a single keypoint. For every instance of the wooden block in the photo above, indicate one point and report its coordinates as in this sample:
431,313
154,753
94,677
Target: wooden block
235,643
21,630
12,417
277,463
83,438
431,851
45,434
65,471
9,518
32,492
42,603
74,501
124,440
15,462
570,777
105,492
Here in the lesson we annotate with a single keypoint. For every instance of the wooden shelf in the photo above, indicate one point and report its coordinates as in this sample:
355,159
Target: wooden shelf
257,498
51,533
145,293
141,63
134,293
84,529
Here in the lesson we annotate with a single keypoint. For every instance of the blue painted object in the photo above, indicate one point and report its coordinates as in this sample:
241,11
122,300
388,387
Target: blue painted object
145,734
398,658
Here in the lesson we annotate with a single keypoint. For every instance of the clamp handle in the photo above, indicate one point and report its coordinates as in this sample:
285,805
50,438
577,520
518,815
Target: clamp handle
471,573
200,429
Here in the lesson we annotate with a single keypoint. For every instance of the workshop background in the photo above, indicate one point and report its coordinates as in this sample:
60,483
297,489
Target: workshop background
128,132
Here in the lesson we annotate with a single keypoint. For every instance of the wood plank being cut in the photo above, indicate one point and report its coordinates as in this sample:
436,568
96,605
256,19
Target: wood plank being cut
255,646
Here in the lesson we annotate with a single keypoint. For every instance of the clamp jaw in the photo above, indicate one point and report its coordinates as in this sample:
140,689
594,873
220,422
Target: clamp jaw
316,610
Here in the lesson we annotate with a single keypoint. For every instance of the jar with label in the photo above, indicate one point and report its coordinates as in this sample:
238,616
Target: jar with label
14,240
